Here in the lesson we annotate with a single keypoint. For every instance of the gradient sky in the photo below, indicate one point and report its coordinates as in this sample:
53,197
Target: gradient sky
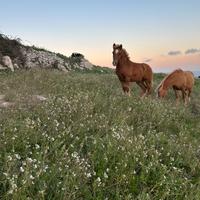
159,32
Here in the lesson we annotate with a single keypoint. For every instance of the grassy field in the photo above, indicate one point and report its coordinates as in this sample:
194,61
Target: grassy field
89,141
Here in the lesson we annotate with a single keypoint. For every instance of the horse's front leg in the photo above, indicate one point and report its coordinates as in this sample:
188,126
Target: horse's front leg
177,96
185,97
126,87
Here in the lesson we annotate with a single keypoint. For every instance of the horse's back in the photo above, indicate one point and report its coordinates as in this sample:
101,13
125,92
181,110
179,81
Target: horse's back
185,78
176,78
189,79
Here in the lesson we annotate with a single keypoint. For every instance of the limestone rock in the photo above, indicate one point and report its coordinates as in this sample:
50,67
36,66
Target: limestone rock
6,104
7,62
86,64
39,98
62,68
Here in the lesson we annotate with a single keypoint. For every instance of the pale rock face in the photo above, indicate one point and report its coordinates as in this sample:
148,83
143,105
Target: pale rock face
7,62
86,64
62,68
16,66
43,59
68,67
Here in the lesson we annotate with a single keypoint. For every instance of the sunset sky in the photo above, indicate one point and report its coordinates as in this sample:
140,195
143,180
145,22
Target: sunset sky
166,34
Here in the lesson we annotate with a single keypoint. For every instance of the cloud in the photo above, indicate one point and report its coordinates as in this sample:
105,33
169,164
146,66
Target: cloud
147,60
192,51
174,53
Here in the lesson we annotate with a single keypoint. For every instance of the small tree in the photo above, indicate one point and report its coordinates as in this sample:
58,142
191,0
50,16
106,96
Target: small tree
77,55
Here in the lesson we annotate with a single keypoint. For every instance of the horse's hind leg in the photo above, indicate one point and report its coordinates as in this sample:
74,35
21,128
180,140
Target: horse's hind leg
148,87
126,87
188,95
185,97
143,87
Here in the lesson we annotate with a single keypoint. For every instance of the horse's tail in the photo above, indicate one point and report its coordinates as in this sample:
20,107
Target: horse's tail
151,79
149,75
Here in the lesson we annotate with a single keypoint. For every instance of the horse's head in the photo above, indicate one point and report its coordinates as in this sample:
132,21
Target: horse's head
117,51
161,92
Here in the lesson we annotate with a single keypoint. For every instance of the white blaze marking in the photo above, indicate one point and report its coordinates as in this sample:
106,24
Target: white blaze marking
116,51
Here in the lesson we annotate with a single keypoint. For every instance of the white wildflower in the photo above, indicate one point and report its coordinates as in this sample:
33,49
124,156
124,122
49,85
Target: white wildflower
21,169
5,174
31,177
29,160
88,175
17,156
98,179
9,158
105,175
37,146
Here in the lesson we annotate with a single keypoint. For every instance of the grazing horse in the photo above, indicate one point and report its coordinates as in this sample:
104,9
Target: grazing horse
179,80
128,71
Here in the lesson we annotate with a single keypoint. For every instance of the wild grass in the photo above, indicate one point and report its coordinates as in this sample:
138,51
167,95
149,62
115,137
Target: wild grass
89,141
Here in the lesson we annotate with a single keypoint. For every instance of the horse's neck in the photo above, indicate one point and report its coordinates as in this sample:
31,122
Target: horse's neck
124,62
167,84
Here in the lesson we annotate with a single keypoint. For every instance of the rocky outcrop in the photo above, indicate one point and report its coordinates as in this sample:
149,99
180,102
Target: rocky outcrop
42,59
46,59
7,104
13,54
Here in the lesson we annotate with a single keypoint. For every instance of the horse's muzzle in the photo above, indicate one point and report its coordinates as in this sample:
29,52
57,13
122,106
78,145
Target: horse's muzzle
114,64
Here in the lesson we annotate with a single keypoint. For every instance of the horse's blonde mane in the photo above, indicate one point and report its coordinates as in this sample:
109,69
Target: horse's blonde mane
168,76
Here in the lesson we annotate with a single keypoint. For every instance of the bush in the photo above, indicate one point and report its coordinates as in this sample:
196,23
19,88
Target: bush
12,48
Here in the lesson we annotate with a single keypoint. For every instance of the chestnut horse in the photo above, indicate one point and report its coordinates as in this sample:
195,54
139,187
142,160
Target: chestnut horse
179,80
128,71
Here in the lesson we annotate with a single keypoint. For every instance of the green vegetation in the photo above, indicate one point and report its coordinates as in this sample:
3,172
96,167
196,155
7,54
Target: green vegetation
95,70
89,141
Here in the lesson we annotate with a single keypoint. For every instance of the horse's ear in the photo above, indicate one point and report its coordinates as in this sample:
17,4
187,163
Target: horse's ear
114,45
120,46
